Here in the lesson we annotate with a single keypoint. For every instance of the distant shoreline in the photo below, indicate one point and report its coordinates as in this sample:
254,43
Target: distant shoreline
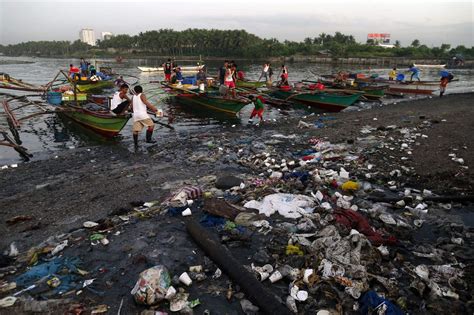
371,61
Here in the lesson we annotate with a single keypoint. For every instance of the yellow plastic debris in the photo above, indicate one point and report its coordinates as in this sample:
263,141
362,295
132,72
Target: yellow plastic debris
294,250
350,186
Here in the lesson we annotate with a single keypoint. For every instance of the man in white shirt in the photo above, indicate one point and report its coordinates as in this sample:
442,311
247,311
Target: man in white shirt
141,118
120,101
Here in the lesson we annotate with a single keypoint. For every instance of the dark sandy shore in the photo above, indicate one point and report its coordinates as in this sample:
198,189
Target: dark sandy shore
94,184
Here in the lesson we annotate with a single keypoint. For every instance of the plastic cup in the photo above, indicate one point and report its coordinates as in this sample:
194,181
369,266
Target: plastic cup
186,212
170,293
275,276
185,279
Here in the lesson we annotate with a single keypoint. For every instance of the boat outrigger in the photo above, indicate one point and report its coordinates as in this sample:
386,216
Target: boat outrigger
183,68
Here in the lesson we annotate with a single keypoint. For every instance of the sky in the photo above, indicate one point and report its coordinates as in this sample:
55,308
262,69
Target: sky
431,21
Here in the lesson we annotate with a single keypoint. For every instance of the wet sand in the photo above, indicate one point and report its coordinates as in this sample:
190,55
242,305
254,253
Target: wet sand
93,184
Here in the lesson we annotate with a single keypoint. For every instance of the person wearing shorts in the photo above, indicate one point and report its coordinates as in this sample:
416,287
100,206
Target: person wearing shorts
229,80
258,110
141,119
167,69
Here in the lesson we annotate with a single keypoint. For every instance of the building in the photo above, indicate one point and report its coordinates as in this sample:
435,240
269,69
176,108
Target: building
87,36
107,35
379,39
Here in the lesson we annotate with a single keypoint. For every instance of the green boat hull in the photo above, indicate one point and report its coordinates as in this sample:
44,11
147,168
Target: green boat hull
102,123
249,84
331,102
96,86
228,106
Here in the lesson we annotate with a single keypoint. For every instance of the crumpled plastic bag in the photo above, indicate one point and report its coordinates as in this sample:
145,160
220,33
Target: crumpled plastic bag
288,205
152,285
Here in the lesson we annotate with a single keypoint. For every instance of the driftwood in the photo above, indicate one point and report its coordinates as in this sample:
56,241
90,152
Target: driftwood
221,208
253,289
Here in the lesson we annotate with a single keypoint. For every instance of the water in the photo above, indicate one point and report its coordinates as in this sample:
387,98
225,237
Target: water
45,134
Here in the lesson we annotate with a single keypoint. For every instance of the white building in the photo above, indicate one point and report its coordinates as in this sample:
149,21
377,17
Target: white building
87,36
106,35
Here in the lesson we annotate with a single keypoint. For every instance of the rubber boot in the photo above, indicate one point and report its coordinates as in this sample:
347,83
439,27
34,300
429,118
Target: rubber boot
135,140
149,133
441,94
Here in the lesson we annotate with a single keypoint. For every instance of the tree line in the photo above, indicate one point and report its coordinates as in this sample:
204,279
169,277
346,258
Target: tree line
229,43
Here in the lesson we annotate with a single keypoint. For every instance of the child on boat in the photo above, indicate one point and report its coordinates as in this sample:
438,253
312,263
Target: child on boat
258,110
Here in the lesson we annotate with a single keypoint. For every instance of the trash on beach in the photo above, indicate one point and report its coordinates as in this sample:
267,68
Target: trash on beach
152,285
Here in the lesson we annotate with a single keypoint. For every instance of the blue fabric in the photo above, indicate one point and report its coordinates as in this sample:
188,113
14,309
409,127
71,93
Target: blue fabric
51,269
212,221
444,73
176,210
370,300
414,70
305,152
179,76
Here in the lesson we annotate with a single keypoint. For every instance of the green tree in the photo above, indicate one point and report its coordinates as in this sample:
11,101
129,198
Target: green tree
415,43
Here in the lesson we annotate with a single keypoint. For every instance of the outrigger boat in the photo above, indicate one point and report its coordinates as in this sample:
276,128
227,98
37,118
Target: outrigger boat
371,91
214,102
102,122
92,86
183,68
249,84
7,82
413,87
211,99
431,66
321,99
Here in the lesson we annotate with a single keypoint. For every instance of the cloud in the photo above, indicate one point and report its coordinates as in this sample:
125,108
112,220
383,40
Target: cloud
432,22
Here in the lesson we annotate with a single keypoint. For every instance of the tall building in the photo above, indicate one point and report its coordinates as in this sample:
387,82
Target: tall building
106,35
87,36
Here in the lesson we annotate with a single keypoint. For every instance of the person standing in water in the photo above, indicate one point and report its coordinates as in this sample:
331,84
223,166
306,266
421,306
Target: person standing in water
258,110
141,118
446,77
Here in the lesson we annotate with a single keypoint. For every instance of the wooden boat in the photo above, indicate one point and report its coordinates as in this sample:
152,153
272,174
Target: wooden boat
249,84
7,82
102,122
413,87
372,91
93,86
183,68
214,102
330,101
431,66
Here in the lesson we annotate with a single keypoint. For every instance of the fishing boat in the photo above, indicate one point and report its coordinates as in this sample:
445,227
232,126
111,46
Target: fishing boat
7,82
321,99
371,91
93,86
102,122
431,66
413,87
214,102
183,68
249,84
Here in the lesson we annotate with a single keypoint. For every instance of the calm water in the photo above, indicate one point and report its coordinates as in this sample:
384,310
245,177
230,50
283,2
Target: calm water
46,134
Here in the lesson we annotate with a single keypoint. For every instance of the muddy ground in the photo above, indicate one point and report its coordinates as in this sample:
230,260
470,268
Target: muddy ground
96,183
